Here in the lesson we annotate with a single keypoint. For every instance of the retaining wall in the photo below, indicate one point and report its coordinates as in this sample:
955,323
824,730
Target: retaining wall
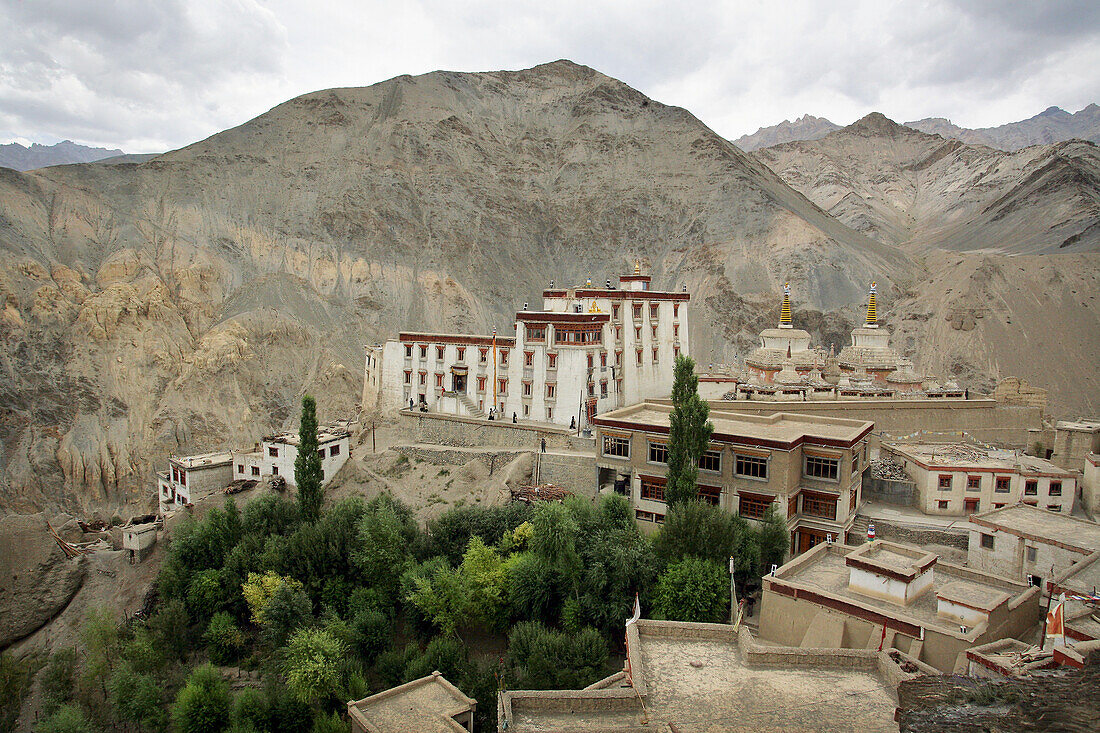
576,473
469,432
903,493
912,535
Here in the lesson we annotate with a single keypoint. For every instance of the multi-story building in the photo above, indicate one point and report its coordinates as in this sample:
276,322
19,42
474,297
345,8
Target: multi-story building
888,596
275,455
189,478
808,467
588,350
956,479
1025,542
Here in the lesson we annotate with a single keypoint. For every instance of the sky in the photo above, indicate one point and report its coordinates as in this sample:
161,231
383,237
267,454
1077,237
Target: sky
152,75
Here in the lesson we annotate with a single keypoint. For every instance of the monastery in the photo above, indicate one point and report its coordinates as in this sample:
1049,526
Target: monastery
589,350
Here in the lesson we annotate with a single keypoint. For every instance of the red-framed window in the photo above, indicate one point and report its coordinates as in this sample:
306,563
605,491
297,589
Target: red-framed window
461,353
481,384
653,488
551,361
408,376
482,355
528,358
439,352
502,385
639,355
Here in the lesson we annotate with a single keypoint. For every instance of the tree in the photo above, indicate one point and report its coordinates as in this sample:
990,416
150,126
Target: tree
386,533
202,705
312,665
224,640
137,698
439,593
288,609
698,529
58,680
486,581
774,539
541,658
307,465
258,591
693,589
689,433
67,719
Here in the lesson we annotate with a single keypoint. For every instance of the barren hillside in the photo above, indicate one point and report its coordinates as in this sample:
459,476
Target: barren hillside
186,302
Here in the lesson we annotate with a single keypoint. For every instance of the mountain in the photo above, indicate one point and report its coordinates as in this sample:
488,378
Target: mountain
21,158
1053,125
806,127
908,188
186,302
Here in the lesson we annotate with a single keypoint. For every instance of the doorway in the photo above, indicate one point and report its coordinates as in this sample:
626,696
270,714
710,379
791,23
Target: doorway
458,382
809,538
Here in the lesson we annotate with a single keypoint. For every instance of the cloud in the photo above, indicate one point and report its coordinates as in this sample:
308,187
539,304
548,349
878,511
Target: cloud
153,75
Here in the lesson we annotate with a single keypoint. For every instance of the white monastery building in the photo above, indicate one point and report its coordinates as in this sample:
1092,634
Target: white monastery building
589,350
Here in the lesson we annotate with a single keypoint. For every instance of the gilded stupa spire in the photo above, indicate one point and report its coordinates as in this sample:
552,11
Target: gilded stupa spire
785,311
872,311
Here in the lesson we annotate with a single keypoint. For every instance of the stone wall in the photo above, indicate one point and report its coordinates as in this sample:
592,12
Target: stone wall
577,473
497,458
439,429
1016,391
913,535
884,490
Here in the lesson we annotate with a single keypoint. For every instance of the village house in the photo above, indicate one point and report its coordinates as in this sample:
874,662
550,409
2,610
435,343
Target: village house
430,704
883,595
957,479
1074,441
189,478
275,455
1022,541
589,350
1081,584
808,468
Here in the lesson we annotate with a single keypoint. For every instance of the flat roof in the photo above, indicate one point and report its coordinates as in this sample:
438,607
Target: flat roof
703,685
1082,577
966,456
1032,522
1091,425
780,429
824,569
425,705
203,460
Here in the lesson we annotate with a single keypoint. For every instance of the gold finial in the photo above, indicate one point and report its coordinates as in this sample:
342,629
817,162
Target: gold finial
785,311
637,267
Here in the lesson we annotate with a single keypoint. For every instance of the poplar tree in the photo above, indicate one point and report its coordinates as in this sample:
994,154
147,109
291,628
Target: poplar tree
307,466
688,433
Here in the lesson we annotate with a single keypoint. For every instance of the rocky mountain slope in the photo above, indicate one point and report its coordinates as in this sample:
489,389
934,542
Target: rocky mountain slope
21,158
905,187
186,302
1053,125
806,127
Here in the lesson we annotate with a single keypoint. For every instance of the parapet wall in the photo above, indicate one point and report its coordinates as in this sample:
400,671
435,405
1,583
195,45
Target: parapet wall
468,432
982,419
909,534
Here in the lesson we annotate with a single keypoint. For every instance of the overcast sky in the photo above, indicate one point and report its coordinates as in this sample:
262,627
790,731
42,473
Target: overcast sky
150,75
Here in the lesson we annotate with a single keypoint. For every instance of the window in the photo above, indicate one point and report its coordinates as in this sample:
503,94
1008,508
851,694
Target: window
675,330
481,384
549,413
603,359
653,310
439,352
273,452
526,389
551,361
998,506
1002,484
526,410
408,351
675,351
855,462
639,355
482,355
643,515
615,311
603,388
973,483
502,385
591,389
638,311
589,360
653,489
275,470
536,333
987,541
528,358
321,453
1055,488
423,351
945,482
1031,488
817,505
240,468
618,358
638,334
616,446
504,357
618,333
753,506
710,494
1032,554
751,466
334,451
653,331
711,460
655,357
658,452
550,388
423,376
438,379
822,468
1054,507
675,310
462,353
942,504
255,470
972,505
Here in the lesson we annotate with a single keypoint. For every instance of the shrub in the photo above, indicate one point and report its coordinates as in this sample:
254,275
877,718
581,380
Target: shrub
224,640
68,718
693,589
312,665
203,704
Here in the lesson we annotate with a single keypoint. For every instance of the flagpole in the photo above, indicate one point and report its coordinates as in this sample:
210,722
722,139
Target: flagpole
494,368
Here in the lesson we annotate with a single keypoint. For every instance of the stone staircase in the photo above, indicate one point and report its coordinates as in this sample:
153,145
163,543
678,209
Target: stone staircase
470,405
858,532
